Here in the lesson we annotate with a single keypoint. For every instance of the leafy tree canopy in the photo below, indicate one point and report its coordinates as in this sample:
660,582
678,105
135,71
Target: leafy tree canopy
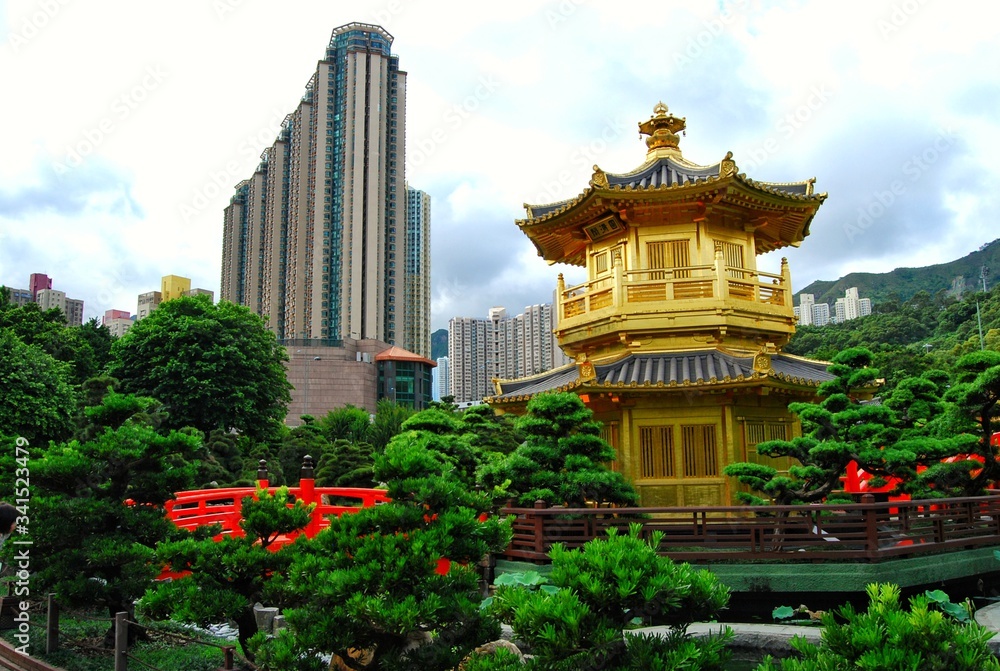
37,402
212,366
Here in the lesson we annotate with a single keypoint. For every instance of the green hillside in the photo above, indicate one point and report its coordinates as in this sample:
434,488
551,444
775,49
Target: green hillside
905,282
439,344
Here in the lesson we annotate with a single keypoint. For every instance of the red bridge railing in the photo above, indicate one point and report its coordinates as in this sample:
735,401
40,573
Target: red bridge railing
203,507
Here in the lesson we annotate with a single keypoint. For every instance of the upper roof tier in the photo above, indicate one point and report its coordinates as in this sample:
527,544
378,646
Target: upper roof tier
667,177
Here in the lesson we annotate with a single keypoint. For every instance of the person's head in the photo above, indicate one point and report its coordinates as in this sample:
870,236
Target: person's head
8,515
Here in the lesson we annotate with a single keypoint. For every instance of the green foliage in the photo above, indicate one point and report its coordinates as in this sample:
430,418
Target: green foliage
212,366
48,331
346,464
399,579
227,577
305,439
102,502
37,402
347,423
886,637
906,437
561,460
601,590
388,422
491,432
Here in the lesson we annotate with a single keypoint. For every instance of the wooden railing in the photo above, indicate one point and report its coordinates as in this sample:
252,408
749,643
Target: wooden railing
866,531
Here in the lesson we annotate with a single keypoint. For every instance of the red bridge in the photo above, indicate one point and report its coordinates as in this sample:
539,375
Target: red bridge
202,507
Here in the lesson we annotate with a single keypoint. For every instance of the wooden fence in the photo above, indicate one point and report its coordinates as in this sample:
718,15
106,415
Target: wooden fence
866,531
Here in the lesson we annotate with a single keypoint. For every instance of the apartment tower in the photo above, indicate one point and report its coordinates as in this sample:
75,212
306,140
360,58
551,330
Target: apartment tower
310,239
417,330
500,347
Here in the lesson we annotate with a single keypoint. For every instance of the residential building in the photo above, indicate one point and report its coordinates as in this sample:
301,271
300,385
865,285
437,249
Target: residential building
201,292
443,373
865,307
118,322
821,314
500,347
37,282
315,239
805,310
148,302
74,312
417,319
51,298
20,296
173,286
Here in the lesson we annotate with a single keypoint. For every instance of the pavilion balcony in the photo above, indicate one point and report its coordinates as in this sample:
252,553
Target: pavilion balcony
675,293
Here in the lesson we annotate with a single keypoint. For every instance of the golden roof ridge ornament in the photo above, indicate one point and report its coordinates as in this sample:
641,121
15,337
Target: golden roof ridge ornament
662,129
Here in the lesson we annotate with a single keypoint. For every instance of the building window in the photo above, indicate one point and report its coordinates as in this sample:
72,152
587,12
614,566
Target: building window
656,446
699,449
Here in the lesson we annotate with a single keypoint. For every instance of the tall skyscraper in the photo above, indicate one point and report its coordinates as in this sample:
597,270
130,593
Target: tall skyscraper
417,332
310,239
500,347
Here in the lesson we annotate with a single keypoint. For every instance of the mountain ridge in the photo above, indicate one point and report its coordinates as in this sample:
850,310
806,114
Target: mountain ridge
958,276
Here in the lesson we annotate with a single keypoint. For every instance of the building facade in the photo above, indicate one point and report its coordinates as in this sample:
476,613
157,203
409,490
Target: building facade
315,239
500,347
147,302
417,278
443,374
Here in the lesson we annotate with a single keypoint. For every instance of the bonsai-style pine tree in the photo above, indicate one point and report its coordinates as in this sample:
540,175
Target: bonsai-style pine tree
229,576
102,502
977,396
561,460
395,586
606,587
346,464
898,439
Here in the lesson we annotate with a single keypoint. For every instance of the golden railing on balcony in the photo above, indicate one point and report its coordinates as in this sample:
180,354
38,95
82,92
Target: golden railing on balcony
704,282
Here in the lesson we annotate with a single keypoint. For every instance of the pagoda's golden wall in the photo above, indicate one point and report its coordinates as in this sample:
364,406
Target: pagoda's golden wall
673,446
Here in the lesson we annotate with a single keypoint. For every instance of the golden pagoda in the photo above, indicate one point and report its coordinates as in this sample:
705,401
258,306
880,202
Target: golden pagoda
676,334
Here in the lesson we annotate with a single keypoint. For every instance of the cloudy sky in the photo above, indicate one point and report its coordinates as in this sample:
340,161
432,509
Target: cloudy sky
127,125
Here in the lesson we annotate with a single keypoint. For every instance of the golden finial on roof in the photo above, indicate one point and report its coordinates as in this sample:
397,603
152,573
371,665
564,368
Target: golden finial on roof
662,129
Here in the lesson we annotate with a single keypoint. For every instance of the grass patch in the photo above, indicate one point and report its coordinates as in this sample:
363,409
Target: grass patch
81,639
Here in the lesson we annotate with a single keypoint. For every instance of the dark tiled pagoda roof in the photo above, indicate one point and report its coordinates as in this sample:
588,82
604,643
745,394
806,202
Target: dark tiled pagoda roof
670,369
669,172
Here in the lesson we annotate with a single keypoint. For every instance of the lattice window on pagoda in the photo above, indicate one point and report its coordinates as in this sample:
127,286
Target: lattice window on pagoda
673,254
699,449
609,434
601,262
656,451
732,253
760,431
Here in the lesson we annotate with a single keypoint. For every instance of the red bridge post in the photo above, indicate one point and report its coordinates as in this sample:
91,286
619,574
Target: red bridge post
307,492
